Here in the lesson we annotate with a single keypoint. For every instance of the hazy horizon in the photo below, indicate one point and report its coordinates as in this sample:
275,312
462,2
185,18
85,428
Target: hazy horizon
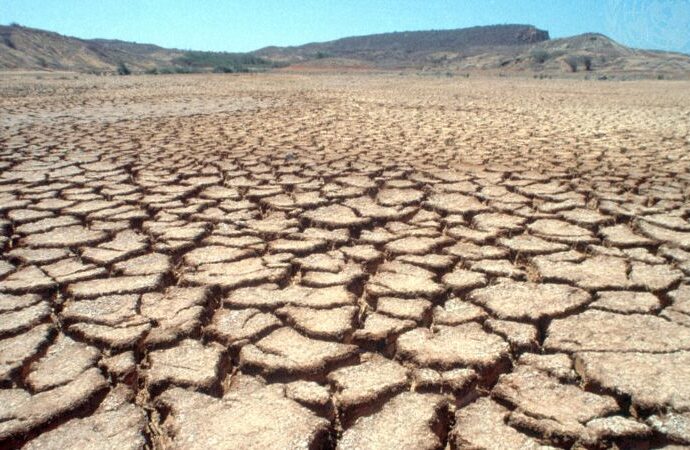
231,26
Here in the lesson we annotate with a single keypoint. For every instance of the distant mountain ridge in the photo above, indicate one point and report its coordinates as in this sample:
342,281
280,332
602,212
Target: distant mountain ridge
33,49
406,43
498,48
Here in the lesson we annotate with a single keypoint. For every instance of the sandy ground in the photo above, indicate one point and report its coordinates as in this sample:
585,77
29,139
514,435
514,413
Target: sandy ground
343,261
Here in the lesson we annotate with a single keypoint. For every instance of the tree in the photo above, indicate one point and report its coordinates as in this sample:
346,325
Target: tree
540,56
587,62
571,62
122,69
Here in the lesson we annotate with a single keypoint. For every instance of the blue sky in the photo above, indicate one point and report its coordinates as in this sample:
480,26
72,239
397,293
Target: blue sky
233,25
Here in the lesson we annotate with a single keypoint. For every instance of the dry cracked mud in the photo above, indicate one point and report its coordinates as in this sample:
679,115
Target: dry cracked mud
343,261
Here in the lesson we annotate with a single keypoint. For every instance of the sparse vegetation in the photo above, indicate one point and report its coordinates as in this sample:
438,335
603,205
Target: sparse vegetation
122,69
540,56
571,62
586,62
575,61
234,62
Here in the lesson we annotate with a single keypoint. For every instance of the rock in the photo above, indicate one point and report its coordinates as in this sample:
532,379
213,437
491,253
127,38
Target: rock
559,231
630,374
472,252
70,236
109,310
482,424
119,366
348,275
310,394
64,361
461,280
676,238
551,407
25,280
236,327
624,236
38,255
364,385
403,280
215,254
23,412
404,308
415,245
455,203
626,302
456,311
672,425
459,382
429,261
115,285
378,329
13,322
520,336
668,221
295,295
595,273
498,221
198,421
17,350
558,365
452,347
149,264
531,245
176,312
643,255
654,277
237,274
9,302
408,421
73,269
605,331
335,216
114,337
189,364
333,324
616,427
287,352
397,197
585,217
296,246
323,262
125,244
498,268
529,301
118,428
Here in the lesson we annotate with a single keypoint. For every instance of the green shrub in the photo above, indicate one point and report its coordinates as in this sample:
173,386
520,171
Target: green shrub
571,62
540,56
587,62
122,69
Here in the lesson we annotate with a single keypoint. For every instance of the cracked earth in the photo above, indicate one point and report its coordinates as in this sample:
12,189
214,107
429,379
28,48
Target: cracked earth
350,262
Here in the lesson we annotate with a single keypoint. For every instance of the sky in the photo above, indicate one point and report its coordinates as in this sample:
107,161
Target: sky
233,25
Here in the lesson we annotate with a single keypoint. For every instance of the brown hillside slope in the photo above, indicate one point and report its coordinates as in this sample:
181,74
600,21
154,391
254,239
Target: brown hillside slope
29,48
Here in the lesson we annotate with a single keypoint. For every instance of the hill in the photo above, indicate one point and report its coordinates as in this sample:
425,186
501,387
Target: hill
498,49
589,53
32,49
491,49
409,46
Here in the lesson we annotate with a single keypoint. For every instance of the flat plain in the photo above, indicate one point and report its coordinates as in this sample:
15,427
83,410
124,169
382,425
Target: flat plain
353,261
